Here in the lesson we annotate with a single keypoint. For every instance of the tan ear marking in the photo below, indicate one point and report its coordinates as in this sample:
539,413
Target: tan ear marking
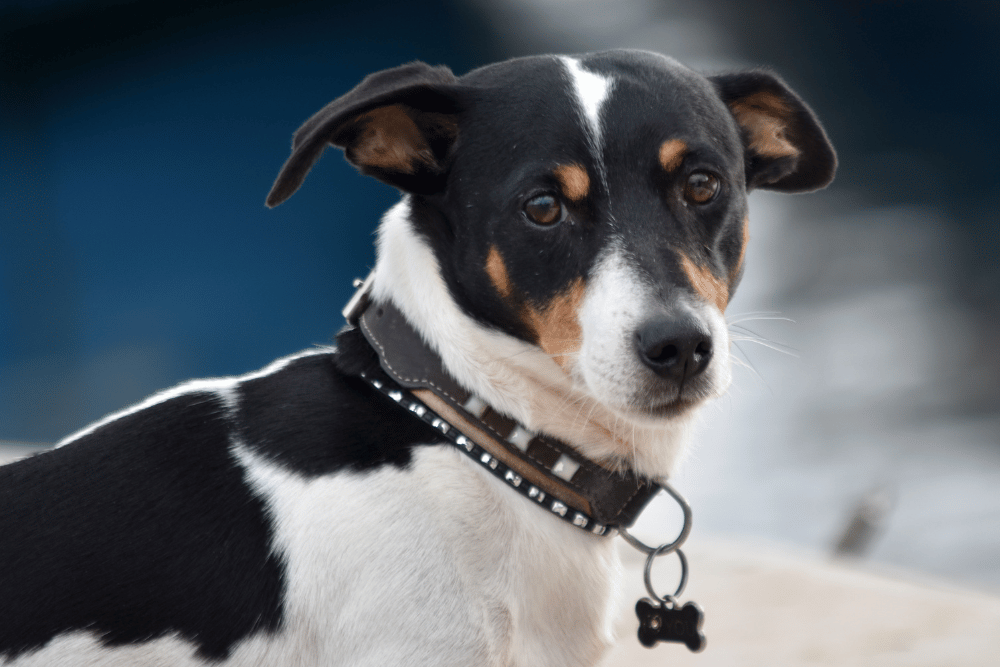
557,324
497,271
672,153
391,140
763,116
708,287
574,180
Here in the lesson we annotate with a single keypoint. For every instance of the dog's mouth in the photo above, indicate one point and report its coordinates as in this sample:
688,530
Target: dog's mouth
658,409
670,409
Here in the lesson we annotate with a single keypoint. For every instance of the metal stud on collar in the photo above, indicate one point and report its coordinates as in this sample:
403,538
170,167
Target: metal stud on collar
466,445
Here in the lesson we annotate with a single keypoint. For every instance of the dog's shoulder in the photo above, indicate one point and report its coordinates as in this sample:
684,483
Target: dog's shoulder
316,416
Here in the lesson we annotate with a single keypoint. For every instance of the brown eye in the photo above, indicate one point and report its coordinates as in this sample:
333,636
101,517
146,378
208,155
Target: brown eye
544,210
701,187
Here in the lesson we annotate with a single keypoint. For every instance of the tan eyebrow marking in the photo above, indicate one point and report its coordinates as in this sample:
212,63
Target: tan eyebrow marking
574,180
497,271
708,287
672,153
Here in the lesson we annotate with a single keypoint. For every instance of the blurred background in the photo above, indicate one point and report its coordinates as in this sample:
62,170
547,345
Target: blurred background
139,139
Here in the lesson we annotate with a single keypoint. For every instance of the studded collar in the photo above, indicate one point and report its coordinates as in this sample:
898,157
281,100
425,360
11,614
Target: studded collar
544,469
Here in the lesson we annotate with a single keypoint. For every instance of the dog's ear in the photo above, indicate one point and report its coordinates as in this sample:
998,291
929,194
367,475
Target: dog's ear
785,146
397,125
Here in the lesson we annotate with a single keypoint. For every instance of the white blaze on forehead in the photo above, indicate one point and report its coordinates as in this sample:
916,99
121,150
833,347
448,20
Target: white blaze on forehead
591,92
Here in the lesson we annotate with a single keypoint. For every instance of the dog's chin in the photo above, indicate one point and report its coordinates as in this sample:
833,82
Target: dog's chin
649,438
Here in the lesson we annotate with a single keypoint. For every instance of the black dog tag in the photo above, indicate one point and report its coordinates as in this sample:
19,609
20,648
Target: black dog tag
659,623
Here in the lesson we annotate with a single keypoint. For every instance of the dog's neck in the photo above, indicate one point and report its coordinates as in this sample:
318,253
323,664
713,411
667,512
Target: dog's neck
515,377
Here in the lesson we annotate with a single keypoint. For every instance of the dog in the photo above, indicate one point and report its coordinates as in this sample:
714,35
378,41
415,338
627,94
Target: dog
570,232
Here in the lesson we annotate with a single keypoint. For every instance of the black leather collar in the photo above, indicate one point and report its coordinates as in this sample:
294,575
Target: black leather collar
544,469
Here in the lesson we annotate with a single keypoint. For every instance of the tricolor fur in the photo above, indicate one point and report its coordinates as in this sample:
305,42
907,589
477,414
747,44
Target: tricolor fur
570,233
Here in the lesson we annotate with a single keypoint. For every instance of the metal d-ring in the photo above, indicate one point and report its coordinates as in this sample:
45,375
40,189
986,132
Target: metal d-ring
647,576
664,549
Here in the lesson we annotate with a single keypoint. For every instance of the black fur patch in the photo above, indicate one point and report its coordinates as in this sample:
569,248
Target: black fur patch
140,529
316,420
146,526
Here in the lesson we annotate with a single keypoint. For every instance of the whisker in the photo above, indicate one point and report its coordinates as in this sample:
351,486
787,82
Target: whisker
759,316
744,329
750,366
759,340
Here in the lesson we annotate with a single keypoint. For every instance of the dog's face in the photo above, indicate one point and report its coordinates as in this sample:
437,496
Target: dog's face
594,207
606,225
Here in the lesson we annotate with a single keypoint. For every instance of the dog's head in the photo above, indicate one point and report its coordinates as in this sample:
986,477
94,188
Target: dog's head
581,221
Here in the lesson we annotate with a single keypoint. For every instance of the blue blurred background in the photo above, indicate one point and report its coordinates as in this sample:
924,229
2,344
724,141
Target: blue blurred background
139,139
139,142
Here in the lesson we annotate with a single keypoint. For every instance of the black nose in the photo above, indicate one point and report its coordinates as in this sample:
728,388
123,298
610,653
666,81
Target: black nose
675,348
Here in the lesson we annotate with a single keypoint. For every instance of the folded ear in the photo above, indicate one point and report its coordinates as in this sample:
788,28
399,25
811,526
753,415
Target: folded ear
397,125
786,148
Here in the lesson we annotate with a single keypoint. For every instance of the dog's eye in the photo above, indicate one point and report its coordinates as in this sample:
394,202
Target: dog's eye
545,210
701,187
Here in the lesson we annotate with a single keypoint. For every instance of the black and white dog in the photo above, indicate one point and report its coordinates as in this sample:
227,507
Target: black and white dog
570,233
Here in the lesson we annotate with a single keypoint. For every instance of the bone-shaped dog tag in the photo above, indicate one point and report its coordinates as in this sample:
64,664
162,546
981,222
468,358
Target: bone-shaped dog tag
660,623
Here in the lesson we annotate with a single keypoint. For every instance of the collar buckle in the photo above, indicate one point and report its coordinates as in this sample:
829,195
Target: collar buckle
359,302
